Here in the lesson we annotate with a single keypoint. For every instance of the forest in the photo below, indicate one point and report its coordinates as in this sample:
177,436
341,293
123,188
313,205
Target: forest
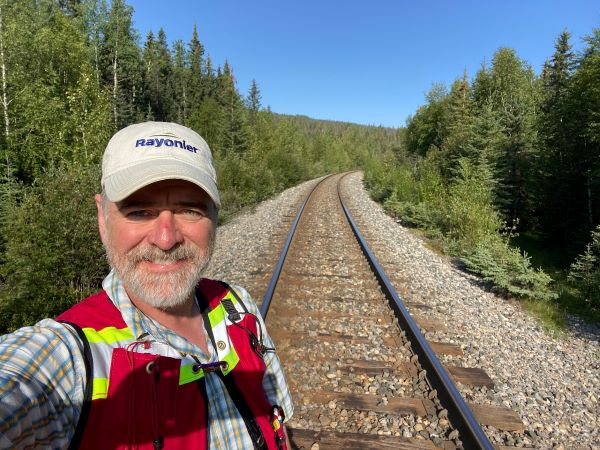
488,167
508,163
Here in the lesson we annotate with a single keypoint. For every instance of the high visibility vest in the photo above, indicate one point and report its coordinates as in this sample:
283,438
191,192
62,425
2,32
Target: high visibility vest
146,395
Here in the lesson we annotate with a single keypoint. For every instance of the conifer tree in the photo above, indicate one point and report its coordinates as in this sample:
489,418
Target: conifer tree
458,142
509,88
209,79
195,61
158,95
583,119
556,164
488,138
234,139
179,83
254,98
122,65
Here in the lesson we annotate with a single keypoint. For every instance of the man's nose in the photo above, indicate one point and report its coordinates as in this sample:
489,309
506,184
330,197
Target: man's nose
166,233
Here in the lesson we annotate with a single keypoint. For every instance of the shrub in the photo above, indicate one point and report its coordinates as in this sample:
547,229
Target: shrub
53,256
468,213
430,183
584,273
508,269
418,215
377,180
462,216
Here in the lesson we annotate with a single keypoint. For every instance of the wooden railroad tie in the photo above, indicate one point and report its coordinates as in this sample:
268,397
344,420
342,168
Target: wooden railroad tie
498,417
403,406
334,440
424,323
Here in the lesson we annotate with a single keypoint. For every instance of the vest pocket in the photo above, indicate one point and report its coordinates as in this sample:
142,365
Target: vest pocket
142,395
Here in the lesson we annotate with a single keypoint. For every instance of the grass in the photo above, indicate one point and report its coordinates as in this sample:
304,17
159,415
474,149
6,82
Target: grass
555,263
552,260
549,314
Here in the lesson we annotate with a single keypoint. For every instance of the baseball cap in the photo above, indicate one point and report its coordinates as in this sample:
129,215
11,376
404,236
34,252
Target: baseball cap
144,153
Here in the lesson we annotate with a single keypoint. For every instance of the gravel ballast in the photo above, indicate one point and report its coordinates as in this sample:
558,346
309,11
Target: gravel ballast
552,383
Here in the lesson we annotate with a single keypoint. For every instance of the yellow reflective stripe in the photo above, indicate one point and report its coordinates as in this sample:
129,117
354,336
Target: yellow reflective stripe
109,335
216,318
217,315
232,359
187,375
99,388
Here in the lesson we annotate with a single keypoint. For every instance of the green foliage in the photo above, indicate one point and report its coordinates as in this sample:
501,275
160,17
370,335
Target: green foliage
431,186
507,147
419,215
462,216
253,98
468,216
509,270
511,94
585,271
55,109
408,192
428,127
121,65
510,147
207,119
53,255
551,317
378,181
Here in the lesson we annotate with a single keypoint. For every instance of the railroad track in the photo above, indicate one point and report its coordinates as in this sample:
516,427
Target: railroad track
360,371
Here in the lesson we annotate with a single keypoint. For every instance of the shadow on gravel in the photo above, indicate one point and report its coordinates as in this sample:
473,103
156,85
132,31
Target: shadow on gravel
576,327
582,330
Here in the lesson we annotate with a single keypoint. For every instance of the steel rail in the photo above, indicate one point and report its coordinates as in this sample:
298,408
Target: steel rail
459,413
266,302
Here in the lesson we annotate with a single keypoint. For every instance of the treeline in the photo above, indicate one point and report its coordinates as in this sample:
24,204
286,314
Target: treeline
504,153
71,74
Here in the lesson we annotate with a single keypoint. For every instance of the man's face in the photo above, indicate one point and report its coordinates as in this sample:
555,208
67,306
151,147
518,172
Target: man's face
159,240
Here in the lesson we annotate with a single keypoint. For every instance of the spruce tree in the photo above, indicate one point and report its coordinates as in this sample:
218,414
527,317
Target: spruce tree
179,84
195,61
122,65
234,139
509,88
458,142
158,95
583,106
253,99
556,165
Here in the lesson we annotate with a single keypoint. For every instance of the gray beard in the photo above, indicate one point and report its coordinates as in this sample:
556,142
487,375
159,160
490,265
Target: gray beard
163,291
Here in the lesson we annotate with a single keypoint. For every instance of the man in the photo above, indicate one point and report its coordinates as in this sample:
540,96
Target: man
160,358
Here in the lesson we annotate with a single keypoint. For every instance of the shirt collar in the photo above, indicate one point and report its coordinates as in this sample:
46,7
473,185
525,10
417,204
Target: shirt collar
140,324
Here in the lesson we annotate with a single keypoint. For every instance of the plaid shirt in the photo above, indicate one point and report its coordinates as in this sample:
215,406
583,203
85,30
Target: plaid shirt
42,380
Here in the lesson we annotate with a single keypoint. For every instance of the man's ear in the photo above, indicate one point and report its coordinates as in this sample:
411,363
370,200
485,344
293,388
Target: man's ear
101,215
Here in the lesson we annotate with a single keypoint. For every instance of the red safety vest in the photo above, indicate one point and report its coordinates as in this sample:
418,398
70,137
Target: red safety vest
145,395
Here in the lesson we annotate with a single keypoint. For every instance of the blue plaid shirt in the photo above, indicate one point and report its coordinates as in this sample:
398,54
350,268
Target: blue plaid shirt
42,379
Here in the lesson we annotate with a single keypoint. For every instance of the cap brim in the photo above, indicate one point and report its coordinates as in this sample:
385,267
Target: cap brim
120,185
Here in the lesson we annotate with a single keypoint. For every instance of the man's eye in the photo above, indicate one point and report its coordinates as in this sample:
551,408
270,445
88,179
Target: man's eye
139,214
192,213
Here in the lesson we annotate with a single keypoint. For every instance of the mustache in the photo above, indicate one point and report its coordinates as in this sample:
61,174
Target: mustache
159,256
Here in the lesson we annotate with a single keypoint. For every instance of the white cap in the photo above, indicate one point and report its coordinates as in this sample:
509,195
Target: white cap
145,153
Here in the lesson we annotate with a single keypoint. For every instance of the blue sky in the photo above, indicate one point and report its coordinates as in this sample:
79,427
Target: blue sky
368,62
